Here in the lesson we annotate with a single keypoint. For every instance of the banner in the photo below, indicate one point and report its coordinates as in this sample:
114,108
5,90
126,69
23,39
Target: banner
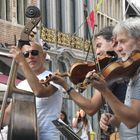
99,5
91,20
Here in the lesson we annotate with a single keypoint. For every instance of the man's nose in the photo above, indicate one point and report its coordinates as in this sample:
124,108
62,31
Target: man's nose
98,52
118,47
30,55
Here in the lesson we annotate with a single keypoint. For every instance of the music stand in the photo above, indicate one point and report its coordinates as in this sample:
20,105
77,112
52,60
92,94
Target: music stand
66,130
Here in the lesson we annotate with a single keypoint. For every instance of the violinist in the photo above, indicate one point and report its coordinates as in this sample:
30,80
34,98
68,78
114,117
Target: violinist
104,47
31,59
126,116
103,43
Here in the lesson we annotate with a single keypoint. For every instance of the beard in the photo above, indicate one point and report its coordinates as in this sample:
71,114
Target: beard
129,53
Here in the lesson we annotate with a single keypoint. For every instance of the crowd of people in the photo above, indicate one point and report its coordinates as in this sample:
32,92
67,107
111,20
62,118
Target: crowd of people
122,97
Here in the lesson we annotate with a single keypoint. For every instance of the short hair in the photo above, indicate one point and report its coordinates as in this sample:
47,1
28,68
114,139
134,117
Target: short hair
106,33
130,25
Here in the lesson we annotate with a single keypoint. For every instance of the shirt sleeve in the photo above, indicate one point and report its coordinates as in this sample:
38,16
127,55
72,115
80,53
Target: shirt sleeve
135,87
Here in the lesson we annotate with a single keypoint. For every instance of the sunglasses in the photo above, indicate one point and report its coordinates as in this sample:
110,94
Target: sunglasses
32,52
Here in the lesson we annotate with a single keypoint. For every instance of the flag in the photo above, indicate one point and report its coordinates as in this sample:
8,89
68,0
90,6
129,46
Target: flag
91,20
99,5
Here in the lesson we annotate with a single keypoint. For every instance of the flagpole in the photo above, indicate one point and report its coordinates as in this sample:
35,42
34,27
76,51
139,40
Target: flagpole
79,27
90,23
126,11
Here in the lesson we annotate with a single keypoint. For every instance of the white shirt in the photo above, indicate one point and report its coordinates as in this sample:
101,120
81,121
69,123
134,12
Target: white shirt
48,109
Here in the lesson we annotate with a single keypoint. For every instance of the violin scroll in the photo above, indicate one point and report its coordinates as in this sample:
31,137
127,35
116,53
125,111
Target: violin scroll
46,81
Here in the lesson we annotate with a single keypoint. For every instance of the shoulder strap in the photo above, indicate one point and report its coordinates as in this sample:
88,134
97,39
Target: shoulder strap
79,133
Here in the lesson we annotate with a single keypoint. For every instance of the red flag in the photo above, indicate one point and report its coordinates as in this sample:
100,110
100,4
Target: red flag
91,20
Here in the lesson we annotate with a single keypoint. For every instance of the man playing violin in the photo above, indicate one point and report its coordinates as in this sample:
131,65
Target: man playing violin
105,46
103,43
31,59
126,116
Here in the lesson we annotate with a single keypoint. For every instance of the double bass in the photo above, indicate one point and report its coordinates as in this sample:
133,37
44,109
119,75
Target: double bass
23,121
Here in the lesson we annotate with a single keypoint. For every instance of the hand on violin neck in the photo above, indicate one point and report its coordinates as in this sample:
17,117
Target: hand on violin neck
89,74
92,75
98,82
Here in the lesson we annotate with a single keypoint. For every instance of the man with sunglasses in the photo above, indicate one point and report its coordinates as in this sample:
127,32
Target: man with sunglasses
31,59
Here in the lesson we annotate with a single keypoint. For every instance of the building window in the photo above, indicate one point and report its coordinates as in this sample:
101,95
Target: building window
5,10
21,7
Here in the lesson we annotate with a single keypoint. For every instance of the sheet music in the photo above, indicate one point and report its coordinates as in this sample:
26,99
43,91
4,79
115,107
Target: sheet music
66,130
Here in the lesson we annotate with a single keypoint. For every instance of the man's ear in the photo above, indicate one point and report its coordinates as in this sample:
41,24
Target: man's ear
138,43
44,54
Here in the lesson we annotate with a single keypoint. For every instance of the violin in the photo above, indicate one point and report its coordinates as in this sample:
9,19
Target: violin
122,69
111,70
78,71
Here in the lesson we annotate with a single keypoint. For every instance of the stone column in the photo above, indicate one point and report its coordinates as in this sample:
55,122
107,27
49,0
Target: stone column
67,16
53,14
79,19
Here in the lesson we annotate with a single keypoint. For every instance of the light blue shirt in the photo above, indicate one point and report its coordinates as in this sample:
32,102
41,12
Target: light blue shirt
133,92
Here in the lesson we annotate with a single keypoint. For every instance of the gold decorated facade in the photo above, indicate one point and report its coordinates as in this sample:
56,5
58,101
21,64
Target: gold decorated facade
63,39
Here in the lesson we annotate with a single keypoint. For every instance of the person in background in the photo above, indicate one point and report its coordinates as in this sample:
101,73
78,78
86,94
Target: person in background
64,118
31,59
81,125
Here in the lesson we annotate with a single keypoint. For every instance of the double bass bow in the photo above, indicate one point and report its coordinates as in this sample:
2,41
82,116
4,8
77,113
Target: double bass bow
23,121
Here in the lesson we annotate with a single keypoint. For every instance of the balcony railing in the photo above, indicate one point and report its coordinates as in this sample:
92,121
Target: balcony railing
63,39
